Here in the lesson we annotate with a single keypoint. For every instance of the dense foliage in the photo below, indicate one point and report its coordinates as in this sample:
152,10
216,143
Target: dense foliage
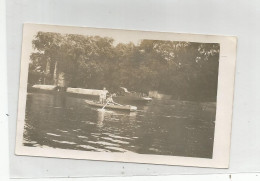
185,70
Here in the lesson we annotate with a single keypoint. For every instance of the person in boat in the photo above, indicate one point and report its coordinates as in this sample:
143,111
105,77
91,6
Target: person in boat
102,96
110,100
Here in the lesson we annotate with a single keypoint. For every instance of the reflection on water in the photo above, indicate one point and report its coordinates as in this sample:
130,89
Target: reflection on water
165,127
101,116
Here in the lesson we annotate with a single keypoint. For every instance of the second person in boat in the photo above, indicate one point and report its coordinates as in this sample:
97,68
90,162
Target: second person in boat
109,99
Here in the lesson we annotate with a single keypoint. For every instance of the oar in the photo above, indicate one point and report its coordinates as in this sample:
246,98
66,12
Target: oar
104,106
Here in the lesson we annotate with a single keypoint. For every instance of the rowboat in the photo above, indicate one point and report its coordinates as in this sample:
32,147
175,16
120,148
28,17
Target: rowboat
112,106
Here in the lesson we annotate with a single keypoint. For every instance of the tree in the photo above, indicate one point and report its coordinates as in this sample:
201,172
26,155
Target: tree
185,70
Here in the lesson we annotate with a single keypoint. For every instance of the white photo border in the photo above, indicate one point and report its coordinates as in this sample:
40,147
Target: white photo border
222,135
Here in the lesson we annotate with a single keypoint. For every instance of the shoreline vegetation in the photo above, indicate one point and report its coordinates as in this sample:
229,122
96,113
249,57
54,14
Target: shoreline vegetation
184,70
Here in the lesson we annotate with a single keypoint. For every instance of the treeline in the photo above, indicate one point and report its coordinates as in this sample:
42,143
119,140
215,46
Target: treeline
185,70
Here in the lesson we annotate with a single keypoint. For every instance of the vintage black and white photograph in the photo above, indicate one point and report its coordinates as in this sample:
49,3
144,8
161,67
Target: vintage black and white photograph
138,95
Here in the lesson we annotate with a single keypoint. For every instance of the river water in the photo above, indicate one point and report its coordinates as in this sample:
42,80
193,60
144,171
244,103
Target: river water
162,127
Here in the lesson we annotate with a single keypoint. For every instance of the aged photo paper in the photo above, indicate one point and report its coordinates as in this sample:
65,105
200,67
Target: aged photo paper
125,95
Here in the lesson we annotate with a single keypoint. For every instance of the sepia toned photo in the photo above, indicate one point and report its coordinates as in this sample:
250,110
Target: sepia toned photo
130,96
